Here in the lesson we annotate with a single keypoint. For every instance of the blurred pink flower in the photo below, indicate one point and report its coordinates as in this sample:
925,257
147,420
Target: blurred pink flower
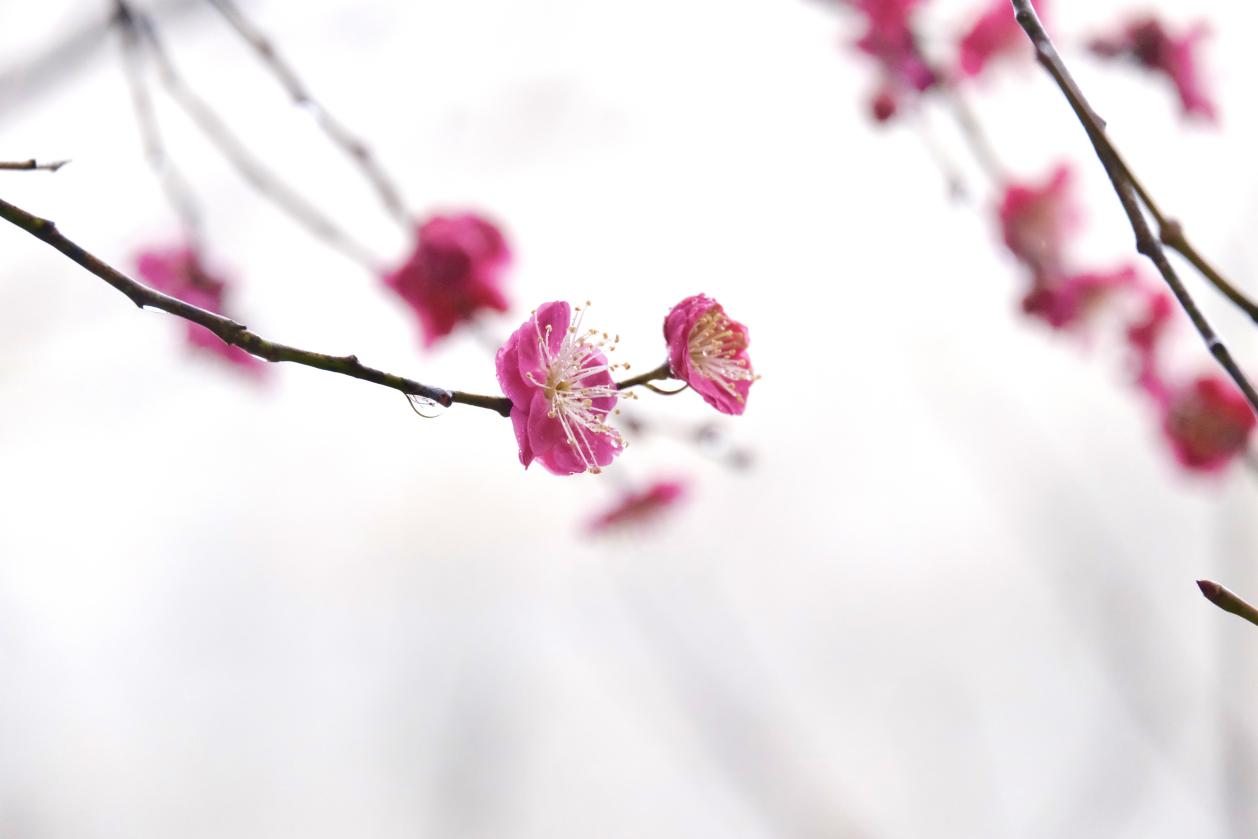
890,41
180,272
1035,221
562,392
1208,423
708,351
994,34
883,105
1147,42
455,271
1067,302
644,507
1145,336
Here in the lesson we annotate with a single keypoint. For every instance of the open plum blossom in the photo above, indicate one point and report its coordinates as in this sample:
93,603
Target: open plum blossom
889,40
635,509
562,392
455,271
180,272
708,351
1067,302
1208,423
1036,220
994,34
1148,43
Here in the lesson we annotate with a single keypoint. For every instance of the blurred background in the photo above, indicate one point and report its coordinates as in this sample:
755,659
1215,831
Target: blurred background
953,597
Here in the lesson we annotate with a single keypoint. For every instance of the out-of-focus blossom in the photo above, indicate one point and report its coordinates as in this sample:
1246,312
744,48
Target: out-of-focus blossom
994,34
1144,336
883,105
889,40
1066,303
562,392
181,273
1147,42
641,508
1208,423
455,271
1036,220
708,351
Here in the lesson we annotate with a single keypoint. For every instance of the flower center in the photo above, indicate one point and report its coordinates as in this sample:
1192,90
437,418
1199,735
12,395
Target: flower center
567,388
716,352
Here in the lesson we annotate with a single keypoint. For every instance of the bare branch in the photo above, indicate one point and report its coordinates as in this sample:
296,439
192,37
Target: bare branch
661,372
176,188
337,132
32,165
236,333
237,153
1129,195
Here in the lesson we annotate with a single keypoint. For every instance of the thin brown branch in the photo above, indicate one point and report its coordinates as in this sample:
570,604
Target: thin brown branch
661,372
235,333
1227,601
337,132
31,165
1147,243
237,153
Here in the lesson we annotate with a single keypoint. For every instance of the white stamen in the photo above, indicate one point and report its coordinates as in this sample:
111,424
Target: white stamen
571,400
714,347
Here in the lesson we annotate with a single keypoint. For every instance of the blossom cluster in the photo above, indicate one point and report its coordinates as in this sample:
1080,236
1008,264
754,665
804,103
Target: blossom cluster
1205,419
562,388
891,39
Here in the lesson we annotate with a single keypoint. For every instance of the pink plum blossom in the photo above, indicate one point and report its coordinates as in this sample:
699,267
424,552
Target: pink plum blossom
181,273
562,392
642,507
1147,42
994,34
1208,423
708,351
1066,303
1145,336
455,271
890,41
1036,220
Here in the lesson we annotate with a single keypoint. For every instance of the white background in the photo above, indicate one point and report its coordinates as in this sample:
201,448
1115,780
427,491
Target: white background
954,599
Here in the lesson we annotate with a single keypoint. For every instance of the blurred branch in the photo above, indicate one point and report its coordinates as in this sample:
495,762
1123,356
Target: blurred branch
1130,194
177,190
235,150
1227,601
32,165
336,131
29,77
236,333
976,138
708,436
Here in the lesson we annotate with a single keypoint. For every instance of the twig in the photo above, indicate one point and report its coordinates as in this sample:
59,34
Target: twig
1227,601
349,143
235,150
661,372
1146,243
32,165
235,333
176,188
972,130
29,76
